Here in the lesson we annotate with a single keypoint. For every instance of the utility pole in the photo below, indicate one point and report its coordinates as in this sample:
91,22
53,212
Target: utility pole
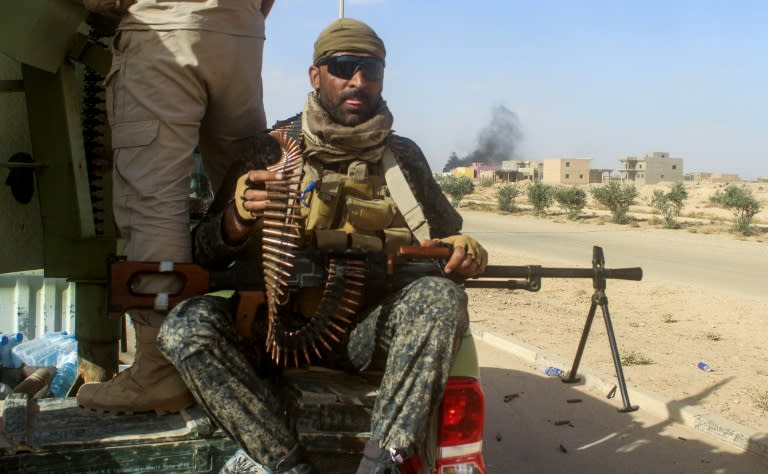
341,8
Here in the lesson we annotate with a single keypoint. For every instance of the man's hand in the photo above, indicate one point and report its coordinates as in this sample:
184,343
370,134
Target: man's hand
251,200
249,203
468,257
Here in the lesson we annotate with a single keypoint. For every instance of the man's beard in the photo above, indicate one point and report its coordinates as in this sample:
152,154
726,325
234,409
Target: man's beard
338,115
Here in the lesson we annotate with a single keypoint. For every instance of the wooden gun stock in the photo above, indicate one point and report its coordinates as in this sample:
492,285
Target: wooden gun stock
194,280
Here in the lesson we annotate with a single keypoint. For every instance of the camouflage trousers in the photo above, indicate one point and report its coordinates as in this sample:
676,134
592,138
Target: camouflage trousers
413,335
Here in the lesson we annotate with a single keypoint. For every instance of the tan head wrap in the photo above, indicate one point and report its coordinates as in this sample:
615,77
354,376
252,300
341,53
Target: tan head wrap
347,34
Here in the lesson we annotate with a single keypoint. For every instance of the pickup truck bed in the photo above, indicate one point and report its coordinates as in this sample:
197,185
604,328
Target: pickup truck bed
330,411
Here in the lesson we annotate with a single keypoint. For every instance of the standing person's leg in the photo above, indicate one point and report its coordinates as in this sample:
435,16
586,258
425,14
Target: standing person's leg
236,105
414,335
155,103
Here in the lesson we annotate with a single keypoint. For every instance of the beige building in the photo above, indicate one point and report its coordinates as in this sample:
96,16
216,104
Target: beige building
519,170
600,175
566,171
718,178
651,169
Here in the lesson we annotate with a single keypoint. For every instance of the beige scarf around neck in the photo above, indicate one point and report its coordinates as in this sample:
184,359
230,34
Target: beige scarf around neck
331,142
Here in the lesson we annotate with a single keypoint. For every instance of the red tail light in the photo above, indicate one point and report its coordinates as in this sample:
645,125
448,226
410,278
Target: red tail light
462,412
460,434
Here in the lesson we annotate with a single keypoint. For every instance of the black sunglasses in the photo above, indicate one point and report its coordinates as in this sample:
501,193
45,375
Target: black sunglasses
347,65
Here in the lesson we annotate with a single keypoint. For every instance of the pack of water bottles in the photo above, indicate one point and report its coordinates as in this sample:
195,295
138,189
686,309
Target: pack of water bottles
43,351
52,349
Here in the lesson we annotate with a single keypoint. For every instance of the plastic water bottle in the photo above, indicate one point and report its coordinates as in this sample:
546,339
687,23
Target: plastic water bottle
704,366
5,390
554,372
4,342
42,351
7,343
66,372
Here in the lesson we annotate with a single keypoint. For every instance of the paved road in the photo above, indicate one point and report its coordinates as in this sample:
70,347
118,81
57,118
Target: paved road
713,262
537,430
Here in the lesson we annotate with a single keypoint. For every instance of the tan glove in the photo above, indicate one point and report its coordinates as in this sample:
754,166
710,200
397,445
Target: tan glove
472,248
243,215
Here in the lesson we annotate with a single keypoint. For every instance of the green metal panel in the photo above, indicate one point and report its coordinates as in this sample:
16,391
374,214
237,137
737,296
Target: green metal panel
39,32
72,248
21,229
56,436
466,363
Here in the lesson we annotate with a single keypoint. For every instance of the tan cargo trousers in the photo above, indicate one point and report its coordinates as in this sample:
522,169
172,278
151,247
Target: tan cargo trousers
167,92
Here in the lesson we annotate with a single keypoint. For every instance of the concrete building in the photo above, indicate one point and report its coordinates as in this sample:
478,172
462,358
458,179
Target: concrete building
652,168
474,171
600,175
716,178
566,171
519,170
460,171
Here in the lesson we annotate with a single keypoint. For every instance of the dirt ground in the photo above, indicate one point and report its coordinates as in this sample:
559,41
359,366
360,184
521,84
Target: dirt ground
660,341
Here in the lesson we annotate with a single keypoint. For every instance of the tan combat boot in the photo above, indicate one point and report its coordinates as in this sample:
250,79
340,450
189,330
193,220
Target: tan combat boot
150,384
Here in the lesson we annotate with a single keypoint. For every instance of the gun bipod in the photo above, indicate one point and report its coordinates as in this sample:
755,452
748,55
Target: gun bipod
529,278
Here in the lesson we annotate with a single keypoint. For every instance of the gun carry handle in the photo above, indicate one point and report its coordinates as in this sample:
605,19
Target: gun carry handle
122,298
414,251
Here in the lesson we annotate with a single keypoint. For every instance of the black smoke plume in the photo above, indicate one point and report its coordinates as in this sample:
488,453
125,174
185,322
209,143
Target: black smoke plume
496,142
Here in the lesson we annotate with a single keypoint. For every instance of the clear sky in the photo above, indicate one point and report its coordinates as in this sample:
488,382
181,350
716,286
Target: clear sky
585,78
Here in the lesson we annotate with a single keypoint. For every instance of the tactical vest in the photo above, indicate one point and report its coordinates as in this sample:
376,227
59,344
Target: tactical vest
349,206
358,205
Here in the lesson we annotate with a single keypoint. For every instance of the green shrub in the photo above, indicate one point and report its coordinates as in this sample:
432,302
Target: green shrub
617,198
486,182
457,188
740,201
572,199
541,196
506,197
670,204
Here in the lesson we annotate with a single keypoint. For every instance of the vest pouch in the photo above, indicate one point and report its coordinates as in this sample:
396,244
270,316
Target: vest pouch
368,243
368,216
324,202
332,240
396,237
357,171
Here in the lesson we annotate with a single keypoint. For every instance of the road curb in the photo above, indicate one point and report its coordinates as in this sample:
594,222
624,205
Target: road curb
716,426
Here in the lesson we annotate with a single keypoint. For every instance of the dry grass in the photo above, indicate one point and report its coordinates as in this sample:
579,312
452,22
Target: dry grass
760,398
635,358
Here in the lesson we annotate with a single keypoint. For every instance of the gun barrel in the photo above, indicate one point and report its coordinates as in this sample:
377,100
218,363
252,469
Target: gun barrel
530,271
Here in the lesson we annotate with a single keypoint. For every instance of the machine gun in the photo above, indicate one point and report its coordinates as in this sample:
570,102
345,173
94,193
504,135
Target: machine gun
529,278
386,273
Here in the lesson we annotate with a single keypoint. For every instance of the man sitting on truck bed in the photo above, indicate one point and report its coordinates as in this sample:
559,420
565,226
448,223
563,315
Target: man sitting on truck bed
349,205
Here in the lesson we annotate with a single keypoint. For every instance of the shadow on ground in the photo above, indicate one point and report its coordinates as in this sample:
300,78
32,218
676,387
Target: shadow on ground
536,424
